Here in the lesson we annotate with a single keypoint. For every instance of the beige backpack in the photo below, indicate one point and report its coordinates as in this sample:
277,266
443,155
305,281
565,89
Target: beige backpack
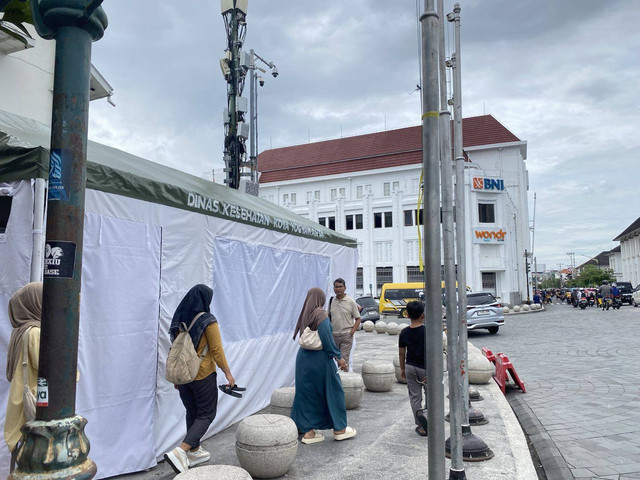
183,362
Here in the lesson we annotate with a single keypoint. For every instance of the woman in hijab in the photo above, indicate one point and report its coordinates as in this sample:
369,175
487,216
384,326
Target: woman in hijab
200,397
25,309
319,399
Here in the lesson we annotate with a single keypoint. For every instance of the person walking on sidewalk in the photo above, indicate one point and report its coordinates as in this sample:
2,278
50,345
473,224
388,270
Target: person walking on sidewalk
319,402
345,318
200,397
412,355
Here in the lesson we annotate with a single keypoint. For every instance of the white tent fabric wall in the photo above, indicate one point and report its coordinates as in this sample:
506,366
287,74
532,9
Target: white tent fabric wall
148,256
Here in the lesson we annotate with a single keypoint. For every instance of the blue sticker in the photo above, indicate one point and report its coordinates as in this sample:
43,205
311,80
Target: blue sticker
57,189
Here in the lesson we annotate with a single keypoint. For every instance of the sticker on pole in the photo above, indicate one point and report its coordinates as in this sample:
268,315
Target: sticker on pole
42,399
58,172
59,259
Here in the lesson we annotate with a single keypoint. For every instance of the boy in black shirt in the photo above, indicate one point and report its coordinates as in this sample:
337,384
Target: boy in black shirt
411,345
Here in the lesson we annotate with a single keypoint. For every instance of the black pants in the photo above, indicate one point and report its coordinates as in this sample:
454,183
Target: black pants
200,399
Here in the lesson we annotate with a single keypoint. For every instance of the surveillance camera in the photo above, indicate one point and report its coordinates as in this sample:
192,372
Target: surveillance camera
274,72
261,81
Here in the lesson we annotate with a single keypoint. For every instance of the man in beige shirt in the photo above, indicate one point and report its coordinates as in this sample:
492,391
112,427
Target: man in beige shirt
345,318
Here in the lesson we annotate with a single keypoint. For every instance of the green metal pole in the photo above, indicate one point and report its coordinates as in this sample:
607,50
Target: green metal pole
54,444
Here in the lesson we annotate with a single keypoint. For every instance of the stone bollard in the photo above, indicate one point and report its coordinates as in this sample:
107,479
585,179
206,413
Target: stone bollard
526,308
392,328
378,376
282,401
402,326
396,365
353,387
381,327
266,445
214,472
505,309
480,370
369,326
516,308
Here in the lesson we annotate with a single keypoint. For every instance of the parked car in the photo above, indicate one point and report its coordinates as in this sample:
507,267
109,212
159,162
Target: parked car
635,297
369,309
484,311
626,292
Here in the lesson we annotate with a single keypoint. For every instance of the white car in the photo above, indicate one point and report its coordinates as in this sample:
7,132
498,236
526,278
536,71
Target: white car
635,297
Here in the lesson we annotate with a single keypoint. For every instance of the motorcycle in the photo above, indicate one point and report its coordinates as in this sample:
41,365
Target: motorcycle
607,303
616,302
591,301
583,302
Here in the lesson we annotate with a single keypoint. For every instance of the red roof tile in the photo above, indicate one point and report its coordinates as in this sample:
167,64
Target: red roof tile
391,148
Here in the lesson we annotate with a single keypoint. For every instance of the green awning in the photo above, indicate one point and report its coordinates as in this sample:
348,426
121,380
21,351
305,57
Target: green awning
24,154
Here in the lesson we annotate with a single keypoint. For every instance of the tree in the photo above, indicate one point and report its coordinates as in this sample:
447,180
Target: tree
592,276
551,282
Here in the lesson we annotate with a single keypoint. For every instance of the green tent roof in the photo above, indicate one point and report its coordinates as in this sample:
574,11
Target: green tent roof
24,154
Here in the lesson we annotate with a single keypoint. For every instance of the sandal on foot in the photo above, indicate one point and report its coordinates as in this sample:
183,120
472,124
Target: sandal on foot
421,431
348,433
317,438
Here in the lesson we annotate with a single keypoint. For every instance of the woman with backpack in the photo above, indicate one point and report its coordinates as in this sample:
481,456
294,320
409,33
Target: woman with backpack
25,310
199,397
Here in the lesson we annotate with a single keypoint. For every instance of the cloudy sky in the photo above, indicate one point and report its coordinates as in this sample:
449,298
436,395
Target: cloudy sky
562,75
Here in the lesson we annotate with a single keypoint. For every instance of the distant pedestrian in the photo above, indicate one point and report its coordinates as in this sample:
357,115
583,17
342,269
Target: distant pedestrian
200,397
319,402
345,318
25,309
412,358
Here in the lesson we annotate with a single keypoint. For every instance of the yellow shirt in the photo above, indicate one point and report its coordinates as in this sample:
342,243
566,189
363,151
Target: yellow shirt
215,355
15,416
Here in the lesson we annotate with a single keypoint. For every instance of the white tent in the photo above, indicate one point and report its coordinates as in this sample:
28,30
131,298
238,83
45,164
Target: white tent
150,234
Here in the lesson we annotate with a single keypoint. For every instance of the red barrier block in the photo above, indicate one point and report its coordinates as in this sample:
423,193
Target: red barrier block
504,368
489,354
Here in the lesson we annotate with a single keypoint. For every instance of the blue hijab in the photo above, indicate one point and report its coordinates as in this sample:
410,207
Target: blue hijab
195,301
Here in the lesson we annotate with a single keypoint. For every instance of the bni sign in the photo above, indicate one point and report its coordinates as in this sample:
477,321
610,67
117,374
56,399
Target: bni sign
485,184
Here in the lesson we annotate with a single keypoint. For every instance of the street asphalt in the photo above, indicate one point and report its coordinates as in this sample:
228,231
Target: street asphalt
386,445
582,406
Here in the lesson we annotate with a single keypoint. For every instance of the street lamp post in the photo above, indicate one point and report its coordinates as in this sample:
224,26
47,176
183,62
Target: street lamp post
54,444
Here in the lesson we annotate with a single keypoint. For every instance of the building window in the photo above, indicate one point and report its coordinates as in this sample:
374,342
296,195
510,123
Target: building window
383,275
359,280
5,211
386,189
419,217
359,192
342,192
415,185
334,194
309,197
316,195
414,274
377,220
293,198
388,220
329,222
486,213
396,186
322,221
285,198
408,218
353,222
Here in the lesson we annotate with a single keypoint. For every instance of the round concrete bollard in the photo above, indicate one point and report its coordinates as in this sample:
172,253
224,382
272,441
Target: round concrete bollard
214,472
505,309
396,366
353,387
369,326
402,326
516,308
381,327
282,400
392,328
378,376
526,308
480,370
266,445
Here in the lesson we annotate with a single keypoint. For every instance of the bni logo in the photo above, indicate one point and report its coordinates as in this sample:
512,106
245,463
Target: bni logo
480,183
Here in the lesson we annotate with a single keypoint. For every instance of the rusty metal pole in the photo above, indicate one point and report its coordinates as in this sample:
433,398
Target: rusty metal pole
54,444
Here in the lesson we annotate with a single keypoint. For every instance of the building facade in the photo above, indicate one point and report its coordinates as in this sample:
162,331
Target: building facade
630,253
368,186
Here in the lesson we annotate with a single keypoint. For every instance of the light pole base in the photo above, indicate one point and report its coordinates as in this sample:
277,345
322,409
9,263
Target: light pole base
474,449
474,395
55,449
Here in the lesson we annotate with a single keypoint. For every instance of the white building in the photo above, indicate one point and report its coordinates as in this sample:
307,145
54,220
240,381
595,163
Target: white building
615,263
630,253
367,187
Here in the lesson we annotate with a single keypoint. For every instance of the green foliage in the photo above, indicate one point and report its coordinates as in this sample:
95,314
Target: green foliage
592,276
550,283
17,12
